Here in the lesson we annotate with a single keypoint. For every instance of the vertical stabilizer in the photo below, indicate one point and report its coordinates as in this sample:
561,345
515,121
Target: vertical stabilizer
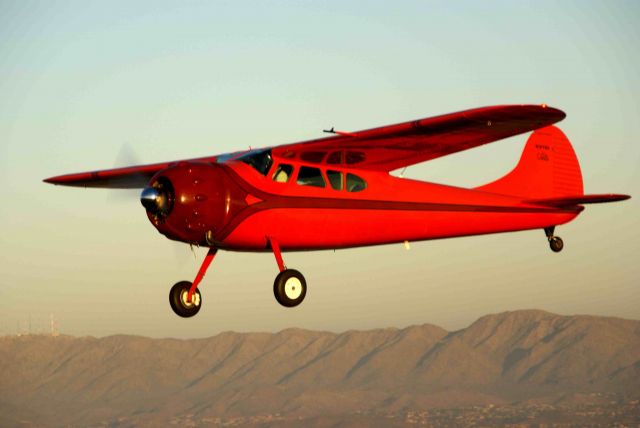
548,167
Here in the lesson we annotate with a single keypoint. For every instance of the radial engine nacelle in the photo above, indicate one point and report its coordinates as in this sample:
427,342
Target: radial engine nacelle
192,201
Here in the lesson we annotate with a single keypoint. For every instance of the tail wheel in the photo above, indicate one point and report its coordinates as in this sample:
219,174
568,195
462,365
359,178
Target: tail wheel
179,300
556,244
290,288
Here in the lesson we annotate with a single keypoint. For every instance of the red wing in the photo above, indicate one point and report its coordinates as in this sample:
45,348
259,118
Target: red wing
131,177
385,148
396,146
569,201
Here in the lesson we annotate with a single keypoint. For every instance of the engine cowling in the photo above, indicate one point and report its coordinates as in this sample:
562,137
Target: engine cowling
192,202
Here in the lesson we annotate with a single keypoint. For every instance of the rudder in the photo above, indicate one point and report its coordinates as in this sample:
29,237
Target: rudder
548,167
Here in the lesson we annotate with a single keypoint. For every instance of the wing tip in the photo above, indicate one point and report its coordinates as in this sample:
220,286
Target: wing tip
541,114
59,179
51,180
557,114
553,114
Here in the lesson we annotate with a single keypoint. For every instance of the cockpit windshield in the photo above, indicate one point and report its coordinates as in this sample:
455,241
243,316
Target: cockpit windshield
260,160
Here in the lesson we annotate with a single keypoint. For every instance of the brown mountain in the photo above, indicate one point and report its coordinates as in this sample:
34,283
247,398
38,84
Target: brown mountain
522,356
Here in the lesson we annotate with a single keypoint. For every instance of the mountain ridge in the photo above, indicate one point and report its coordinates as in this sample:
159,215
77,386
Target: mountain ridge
514,356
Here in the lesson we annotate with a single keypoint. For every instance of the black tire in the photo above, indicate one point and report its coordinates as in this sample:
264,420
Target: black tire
556,244
290,288
178,300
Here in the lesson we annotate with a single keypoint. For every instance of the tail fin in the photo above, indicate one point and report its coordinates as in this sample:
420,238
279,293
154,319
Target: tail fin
548,168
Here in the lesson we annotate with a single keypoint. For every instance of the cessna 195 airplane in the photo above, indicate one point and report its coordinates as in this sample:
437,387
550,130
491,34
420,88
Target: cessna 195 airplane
336,192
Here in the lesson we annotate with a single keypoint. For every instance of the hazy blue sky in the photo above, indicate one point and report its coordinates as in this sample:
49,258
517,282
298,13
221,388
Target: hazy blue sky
79,80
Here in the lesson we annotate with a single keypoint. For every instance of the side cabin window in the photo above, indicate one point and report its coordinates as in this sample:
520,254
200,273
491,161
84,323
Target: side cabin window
282,173
335,179
312,157
355,183
259,160
308,176
354,157
335,158
345,157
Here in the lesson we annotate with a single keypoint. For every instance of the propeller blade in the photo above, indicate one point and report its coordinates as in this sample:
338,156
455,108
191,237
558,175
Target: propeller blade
126,156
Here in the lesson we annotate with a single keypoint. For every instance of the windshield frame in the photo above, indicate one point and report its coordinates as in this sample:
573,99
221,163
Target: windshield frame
261,160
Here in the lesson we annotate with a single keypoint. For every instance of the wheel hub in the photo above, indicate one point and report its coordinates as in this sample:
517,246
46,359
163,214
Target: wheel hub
293,288
184,299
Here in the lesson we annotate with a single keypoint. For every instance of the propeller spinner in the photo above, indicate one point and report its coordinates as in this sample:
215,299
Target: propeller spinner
157,199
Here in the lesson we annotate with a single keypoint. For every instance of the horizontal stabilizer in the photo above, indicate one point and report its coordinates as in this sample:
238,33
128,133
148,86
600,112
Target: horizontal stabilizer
569,201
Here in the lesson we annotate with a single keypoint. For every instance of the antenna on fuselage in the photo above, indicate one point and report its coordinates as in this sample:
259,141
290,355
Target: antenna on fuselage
343,133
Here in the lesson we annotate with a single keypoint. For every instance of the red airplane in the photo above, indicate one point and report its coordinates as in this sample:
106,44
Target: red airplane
337,192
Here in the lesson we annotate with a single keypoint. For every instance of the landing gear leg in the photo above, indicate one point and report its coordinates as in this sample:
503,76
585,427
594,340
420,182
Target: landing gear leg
289,287
555,242
184,297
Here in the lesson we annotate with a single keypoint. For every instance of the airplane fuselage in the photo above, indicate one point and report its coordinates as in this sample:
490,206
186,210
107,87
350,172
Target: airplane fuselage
385,209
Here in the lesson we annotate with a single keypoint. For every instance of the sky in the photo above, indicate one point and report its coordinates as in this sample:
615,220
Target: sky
84,85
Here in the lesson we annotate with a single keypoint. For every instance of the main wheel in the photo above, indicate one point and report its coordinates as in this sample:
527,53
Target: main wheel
290,288
178,299
556,244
